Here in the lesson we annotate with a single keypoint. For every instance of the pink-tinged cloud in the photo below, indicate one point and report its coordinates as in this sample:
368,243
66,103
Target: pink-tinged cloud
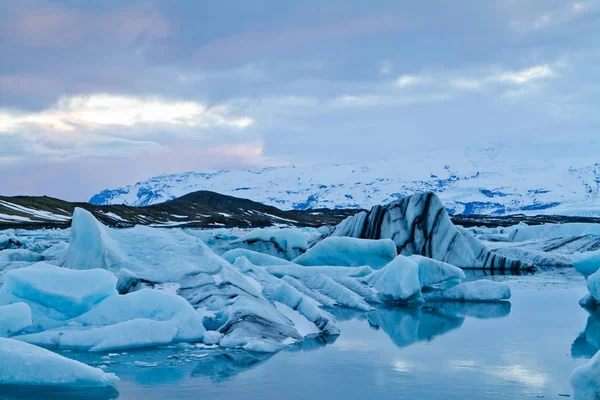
43,25
256,43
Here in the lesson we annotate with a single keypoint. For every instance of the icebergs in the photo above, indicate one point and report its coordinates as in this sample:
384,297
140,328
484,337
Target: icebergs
14,318
26,364
118,289
351,252
419,224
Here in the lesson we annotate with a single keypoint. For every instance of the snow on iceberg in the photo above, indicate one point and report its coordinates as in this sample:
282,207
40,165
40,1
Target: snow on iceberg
350,252
14,318
26,364
419,224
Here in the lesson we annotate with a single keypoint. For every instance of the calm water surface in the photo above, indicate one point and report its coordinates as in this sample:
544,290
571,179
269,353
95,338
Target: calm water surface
519,350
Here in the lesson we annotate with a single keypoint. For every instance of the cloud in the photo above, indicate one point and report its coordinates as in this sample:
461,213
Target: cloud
99,110
106,126
412,80
49,25
520,77
556,17
386,67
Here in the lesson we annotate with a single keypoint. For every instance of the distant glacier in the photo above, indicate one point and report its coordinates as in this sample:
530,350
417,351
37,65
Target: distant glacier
495,180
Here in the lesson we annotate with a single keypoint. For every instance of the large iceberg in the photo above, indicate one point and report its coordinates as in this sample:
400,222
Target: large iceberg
419,224
113,289
26,364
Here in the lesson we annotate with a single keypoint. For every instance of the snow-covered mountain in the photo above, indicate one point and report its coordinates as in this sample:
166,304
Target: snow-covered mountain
555,178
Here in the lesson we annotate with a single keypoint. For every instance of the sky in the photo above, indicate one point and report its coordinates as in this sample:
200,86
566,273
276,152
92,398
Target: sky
99,94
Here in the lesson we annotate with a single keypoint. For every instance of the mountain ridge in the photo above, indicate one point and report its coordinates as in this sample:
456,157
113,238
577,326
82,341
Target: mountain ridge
493,180
201,209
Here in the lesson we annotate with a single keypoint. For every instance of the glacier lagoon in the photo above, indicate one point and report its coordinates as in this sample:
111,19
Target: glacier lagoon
523,349
256,313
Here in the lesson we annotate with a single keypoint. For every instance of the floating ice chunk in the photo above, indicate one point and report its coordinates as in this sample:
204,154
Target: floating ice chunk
13,318
432,272
254,257
482,290
585,380
25,364
301,272
350,252
67,291
398,280
140,319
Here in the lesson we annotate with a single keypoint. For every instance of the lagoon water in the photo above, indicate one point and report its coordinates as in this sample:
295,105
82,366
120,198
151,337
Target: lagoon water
523,349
